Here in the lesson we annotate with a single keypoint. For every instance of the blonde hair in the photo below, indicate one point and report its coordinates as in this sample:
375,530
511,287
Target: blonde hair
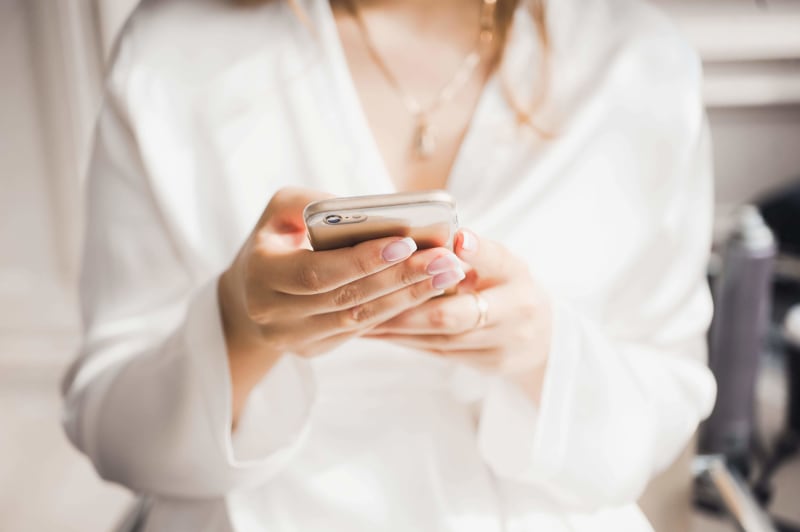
525,112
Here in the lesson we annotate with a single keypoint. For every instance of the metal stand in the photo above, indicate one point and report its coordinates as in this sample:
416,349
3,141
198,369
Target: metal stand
718,486
788,444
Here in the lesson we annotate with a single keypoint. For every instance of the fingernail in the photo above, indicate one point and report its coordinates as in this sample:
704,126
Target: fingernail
445,263
448,279
399,250
468,241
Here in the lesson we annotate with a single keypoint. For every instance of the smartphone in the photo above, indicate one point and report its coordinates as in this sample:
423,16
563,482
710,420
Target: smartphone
429,217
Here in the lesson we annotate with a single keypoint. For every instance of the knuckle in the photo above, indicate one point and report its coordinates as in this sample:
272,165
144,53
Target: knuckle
275,339
253,312
344,320
420,291
363,313
256,310
347,296
407,276
355,317
362,265
440,318
308,278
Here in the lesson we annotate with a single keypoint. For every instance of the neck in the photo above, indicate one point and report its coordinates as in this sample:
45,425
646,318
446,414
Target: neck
414,5
423,13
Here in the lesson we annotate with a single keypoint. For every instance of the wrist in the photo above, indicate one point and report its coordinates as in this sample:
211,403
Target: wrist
242,334
249,359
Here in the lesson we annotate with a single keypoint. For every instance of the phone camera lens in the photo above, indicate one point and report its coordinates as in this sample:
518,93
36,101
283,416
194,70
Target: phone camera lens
333,219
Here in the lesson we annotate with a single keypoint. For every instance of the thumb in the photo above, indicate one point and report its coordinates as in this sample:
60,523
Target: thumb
284,213
491,261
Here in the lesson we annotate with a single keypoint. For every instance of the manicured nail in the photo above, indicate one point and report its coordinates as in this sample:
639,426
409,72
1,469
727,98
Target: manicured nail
468,241
399,250
448,279
445,263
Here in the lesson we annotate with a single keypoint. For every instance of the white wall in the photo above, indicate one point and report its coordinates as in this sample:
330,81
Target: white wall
751,53
48,93
48,90
757,150
29,261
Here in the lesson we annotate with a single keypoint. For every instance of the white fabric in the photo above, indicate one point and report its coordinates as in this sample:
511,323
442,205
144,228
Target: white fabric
211,108
110,18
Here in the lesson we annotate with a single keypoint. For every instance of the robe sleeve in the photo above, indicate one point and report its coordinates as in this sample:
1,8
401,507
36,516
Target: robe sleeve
148,400
623,392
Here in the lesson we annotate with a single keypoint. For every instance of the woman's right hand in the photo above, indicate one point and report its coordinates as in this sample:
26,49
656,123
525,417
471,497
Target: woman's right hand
279,296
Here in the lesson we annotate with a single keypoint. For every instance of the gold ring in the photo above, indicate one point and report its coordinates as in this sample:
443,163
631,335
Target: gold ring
483,310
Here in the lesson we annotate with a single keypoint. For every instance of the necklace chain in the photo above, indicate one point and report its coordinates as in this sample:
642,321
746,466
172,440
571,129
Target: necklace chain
424,141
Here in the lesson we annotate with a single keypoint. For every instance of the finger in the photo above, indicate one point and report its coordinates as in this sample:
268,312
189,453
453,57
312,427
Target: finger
485,360
304,272
284,212
327,344
479,339
366,316
490,360
490,260
318,347
420,266
455,314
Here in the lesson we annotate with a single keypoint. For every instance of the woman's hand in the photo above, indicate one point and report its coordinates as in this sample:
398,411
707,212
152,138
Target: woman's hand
278,296
515,338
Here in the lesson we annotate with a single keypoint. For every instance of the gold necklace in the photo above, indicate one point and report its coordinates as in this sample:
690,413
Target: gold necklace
424,140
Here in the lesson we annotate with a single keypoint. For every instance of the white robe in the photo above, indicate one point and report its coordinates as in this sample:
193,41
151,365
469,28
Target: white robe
211,108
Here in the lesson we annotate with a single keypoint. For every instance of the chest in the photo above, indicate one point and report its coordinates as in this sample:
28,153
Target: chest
415,102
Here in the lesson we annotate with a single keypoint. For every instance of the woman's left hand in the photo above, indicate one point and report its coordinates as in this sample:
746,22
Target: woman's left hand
513,339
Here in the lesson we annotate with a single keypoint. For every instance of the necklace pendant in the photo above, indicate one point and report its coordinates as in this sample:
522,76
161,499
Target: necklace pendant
424,141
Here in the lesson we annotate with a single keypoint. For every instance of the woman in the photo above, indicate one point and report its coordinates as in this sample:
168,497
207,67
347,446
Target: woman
246,383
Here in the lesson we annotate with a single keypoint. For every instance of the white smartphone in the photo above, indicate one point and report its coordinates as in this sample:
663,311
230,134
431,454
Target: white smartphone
429,217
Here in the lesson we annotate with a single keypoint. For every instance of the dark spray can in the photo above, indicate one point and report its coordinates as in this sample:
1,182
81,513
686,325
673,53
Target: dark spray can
737,337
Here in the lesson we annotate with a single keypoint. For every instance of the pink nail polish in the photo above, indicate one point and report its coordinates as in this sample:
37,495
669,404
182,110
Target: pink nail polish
468,241
399,250
442,264
448,279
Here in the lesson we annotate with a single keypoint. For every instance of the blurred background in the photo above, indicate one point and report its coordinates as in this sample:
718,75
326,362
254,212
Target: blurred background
52,58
